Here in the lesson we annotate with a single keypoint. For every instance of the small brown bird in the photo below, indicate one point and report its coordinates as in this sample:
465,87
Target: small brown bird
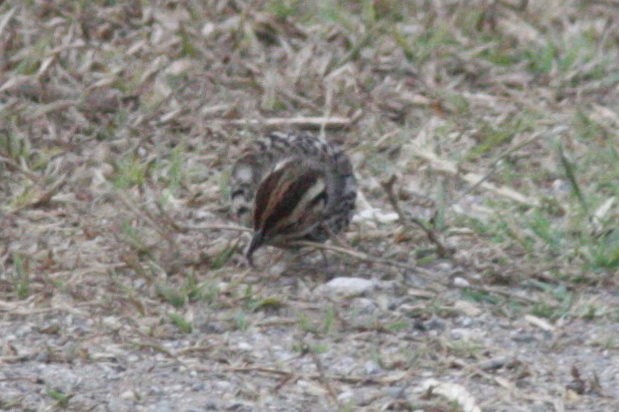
290,187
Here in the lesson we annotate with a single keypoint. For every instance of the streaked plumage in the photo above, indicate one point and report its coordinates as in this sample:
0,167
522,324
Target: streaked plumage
292,186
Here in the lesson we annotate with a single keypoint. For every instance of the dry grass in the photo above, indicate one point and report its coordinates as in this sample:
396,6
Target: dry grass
121,282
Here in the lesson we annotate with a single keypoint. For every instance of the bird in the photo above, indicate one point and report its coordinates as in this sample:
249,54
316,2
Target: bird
291,186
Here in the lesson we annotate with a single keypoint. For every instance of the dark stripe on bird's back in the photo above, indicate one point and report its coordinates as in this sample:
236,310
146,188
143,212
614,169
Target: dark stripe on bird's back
291,198
263,195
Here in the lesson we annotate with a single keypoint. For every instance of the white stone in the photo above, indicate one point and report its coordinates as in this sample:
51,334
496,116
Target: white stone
128,395
346,396
347,287
371,367
461,282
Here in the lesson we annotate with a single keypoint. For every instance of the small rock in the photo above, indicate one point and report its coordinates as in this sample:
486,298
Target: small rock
111,322
132,358
244,346
345,396
207,29
178,67
522,337
347,287
396,391
277,269
371,367
222,385
198,387
443,266
467,308
432,324
128,395
153,390
540,323
560,186
461,282
211,406
364,306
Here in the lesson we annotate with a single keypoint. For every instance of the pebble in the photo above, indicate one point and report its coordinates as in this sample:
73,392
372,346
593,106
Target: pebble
153,390
461,282
346,396
278,268
222,385
467,308
364,306
128,395
432,324
347,287
371,367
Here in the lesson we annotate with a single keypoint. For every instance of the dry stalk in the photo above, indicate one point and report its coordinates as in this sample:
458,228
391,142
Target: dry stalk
322,376
16,166
49,108
386,380
409,221
496,161
321,246
161,349
450,168
503,292
331,123
143,213
365,257
232,228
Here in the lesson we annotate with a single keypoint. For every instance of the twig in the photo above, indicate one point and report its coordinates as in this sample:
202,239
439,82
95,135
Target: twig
369,258
6,19
302,122
44,196
409,221
354,51
144,214
571,177
322,376
395,377
56,106
159,348
322,246
168,220
431,235
495,162
13,164
364,257
503,292
450,168
231,228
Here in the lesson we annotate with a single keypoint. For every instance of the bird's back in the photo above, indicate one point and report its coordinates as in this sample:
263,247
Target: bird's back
265,154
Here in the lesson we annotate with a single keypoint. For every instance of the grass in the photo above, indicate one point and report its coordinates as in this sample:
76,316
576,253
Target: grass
22,277
62,399
181,323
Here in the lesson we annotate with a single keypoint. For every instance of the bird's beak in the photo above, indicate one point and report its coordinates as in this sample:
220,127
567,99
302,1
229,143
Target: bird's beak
256,241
